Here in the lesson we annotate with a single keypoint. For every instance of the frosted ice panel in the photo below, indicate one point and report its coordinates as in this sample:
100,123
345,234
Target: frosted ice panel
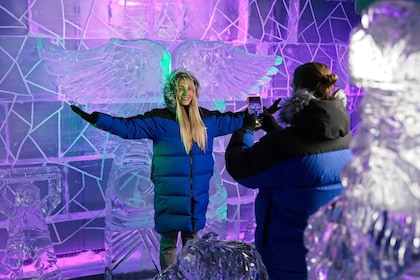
44,120
210,258
373,230
7,20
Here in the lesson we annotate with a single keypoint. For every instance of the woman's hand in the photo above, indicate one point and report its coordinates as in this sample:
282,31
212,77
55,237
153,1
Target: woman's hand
91,118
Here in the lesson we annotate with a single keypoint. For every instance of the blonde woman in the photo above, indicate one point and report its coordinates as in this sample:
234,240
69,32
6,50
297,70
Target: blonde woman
182,164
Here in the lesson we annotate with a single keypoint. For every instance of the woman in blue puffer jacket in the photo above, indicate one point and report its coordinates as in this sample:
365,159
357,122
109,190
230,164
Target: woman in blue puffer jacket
182,164
296,169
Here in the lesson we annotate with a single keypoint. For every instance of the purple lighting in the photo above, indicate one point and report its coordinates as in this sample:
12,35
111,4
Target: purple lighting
38,128
128,3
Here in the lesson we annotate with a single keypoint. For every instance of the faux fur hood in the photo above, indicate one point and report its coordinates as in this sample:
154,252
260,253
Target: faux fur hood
323,118
170,101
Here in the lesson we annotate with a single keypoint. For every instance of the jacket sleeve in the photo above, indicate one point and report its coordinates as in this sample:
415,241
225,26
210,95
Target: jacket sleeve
249,163
137,127
228,122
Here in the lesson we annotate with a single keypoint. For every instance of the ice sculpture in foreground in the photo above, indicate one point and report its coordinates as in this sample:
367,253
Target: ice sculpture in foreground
373,230
209,258
29,238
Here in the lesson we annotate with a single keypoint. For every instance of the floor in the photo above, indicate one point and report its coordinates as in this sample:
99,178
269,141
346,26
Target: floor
91,266
142,275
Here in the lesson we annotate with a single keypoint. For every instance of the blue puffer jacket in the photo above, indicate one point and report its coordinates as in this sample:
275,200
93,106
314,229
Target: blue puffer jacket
181,180
297,170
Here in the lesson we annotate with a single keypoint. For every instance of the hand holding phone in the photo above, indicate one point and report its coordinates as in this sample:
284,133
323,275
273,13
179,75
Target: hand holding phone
255,107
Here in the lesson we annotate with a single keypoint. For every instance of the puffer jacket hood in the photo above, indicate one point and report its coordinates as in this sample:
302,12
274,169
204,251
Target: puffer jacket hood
321,118
170,87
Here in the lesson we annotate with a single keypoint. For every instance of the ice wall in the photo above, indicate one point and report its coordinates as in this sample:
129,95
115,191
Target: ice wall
38,128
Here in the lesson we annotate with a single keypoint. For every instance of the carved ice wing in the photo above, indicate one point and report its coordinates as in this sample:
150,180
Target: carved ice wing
118,72
225,72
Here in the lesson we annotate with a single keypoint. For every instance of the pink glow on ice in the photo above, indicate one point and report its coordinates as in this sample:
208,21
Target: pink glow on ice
128,3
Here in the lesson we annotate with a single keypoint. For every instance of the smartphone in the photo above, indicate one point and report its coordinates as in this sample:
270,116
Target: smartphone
255,106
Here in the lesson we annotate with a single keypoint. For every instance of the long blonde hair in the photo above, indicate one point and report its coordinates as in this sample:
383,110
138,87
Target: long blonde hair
191,125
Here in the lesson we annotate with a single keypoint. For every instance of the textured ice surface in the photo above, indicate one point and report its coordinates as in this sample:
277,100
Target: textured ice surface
132,71
373,230
26,209
209,258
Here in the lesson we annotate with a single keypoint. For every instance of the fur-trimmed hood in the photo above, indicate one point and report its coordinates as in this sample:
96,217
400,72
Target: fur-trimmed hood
312,115
170,101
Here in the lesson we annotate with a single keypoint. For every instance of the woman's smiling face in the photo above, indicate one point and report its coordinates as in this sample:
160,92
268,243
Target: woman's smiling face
185,92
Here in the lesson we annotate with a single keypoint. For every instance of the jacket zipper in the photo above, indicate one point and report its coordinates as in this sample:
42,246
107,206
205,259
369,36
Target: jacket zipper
191,194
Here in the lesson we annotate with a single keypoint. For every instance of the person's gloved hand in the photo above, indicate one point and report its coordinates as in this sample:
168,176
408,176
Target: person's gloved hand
274,107
268,122
249,121
91,118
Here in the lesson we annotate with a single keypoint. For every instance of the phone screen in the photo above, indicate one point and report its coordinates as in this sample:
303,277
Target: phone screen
255,105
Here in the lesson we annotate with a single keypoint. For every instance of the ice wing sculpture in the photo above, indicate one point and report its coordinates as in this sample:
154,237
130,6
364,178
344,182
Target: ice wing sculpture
225,71
118,72
373,230
124,71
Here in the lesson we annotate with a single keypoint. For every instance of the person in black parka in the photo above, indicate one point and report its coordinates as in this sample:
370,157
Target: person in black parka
296,168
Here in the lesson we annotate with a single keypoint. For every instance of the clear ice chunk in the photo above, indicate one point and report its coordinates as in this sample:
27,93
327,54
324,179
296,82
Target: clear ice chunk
372,231
213,259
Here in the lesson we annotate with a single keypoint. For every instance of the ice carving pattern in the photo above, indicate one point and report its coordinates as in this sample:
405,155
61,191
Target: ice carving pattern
373,230
29,237
133,71
210,258
226,72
